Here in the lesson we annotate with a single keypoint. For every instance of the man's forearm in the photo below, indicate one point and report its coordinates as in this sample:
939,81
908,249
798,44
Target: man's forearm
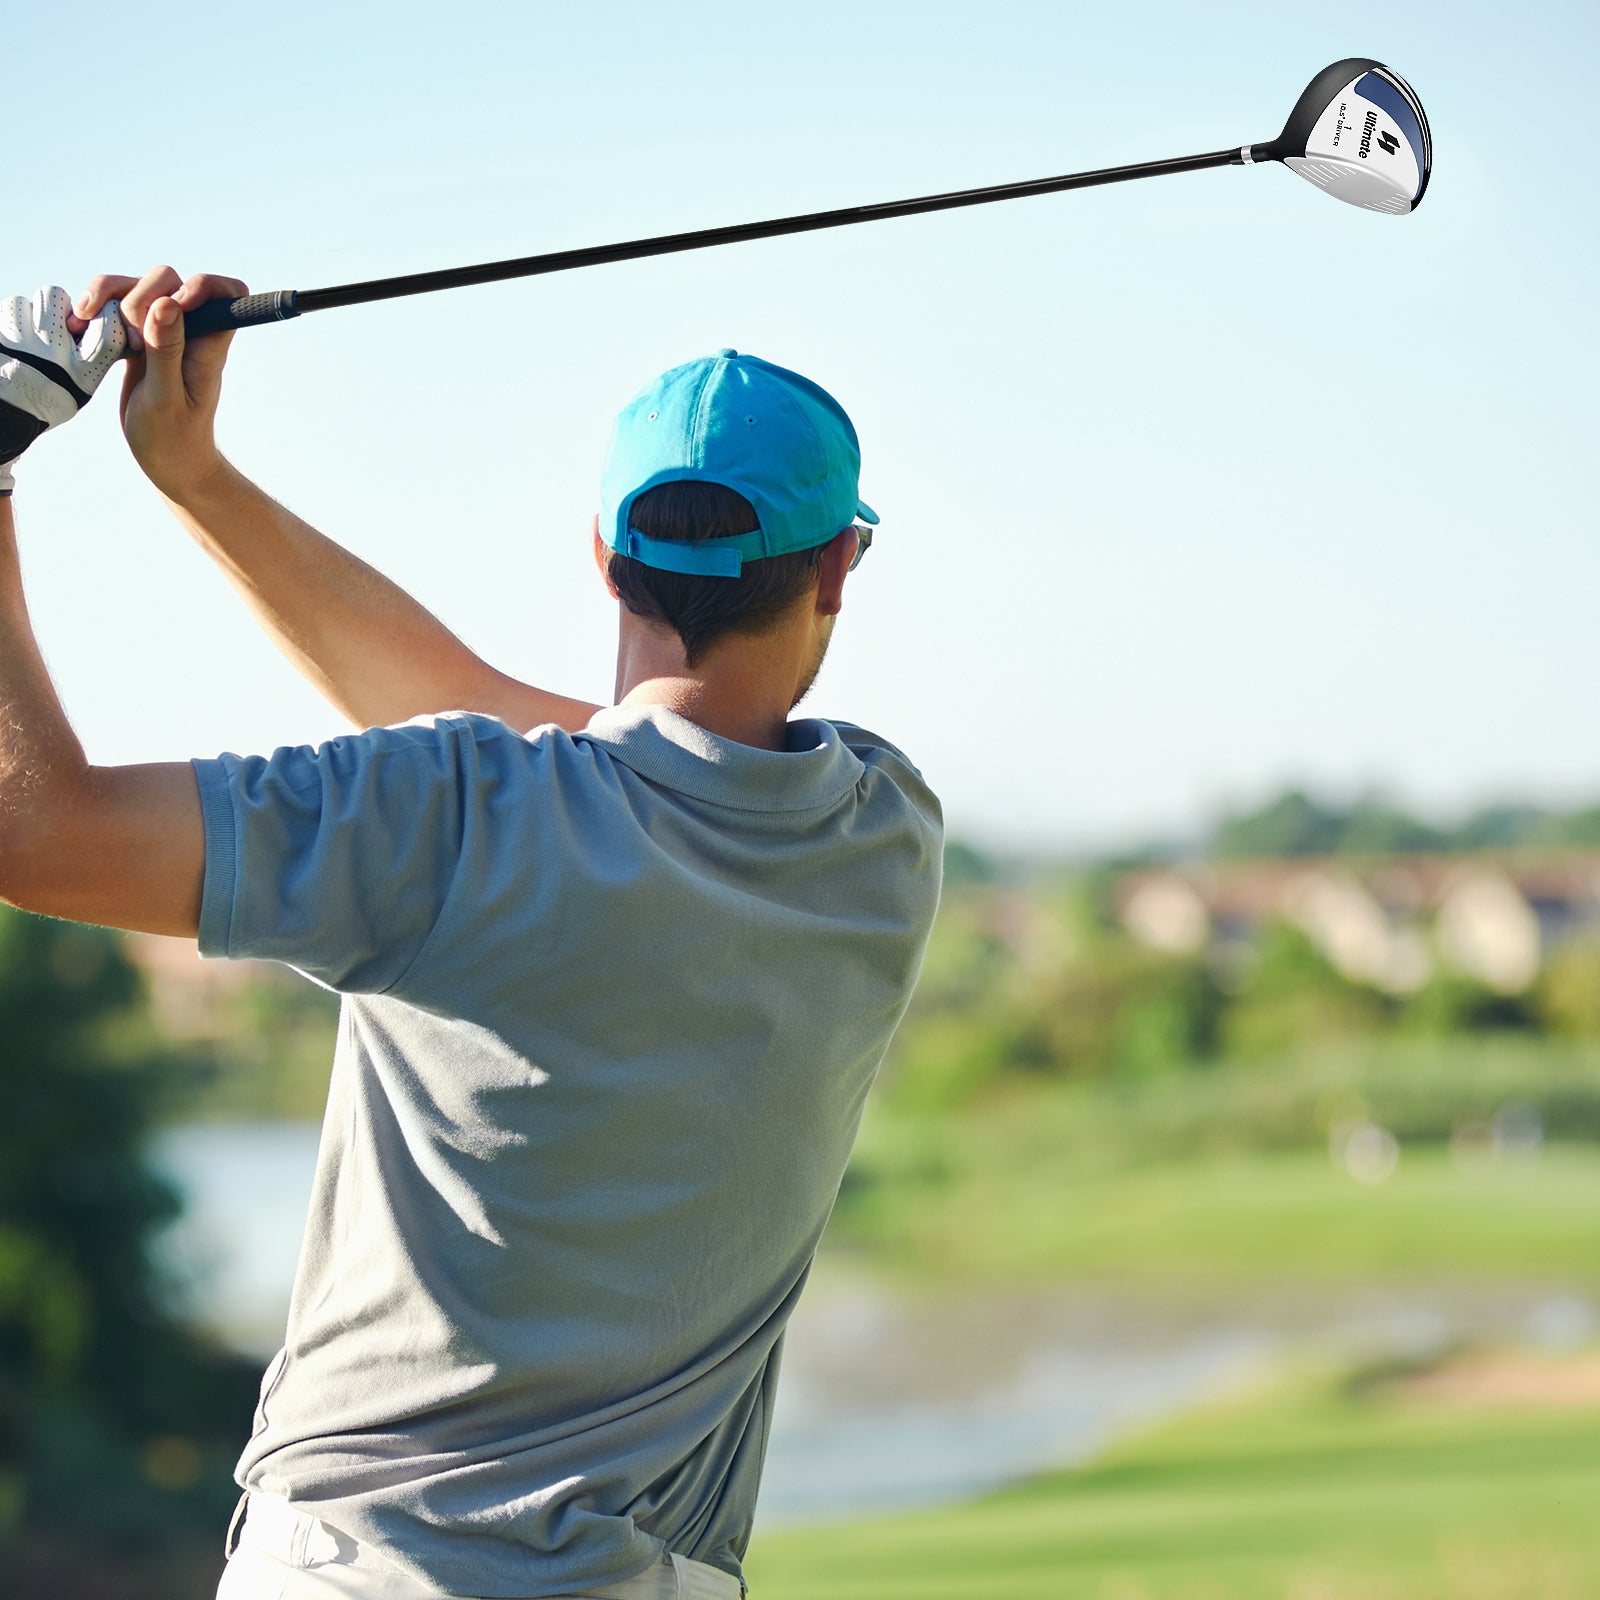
121,846
362,641
374,652
36,740
40,756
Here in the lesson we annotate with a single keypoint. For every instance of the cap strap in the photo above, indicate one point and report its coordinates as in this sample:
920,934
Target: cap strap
706,558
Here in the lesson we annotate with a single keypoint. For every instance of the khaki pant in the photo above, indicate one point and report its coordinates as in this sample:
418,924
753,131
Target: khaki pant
282,1553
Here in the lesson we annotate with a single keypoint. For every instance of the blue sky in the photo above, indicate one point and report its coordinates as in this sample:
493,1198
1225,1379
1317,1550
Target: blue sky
1190,487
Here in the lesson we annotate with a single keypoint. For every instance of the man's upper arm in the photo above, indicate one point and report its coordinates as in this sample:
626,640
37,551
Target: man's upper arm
521,706
121,846
338,860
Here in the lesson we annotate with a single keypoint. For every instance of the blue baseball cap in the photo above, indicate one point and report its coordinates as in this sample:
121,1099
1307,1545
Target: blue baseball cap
776,438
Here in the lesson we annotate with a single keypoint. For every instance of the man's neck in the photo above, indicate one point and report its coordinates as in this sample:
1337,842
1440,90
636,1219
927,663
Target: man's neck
742,689
694,700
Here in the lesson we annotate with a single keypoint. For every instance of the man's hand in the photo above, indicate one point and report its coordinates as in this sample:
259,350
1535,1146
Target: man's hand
170,393
47,373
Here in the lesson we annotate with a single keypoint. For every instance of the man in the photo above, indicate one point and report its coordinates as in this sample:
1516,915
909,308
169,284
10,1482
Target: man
616,981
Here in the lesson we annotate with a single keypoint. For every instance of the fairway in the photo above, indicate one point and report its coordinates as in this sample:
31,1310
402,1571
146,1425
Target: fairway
1289,1213
1316,1490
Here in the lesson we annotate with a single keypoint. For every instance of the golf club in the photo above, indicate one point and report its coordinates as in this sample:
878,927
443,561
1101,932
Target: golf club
1358,132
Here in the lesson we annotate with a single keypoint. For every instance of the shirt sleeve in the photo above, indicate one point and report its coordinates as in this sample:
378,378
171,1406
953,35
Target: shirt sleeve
337,860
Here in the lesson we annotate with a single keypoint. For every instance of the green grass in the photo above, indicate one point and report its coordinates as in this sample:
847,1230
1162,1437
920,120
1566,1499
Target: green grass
1238,1218
1316,1490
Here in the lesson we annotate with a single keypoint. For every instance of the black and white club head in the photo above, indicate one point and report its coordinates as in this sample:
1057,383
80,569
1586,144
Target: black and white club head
1359,133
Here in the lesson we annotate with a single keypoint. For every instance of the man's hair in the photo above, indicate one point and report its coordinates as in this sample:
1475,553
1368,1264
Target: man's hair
702,609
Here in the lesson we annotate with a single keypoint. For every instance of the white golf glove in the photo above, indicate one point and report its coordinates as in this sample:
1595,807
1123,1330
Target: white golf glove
46,376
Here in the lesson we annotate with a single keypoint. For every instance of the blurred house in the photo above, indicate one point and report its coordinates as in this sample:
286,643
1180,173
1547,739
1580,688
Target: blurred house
1487,927
1368,932
1389,922
1167,912
193,998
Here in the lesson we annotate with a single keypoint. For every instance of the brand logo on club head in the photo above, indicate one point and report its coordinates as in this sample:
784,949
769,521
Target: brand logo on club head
1366,135
1388,143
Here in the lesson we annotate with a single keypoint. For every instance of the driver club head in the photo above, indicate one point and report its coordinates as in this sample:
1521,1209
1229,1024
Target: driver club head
1359,133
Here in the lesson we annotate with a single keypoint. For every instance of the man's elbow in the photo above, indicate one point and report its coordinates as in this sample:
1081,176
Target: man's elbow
121,847
45,841
29,860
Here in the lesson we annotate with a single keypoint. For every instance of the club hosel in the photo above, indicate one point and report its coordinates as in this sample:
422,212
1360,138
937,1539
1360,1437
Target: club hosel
1265,150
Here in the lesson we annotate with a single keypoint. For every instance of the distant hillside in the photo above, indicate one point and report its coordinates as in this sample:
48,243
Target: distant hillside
1295,826
1298,824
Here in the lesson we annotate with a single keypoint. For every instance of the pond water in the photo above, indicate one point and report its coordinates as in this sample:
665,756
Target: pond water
890,1398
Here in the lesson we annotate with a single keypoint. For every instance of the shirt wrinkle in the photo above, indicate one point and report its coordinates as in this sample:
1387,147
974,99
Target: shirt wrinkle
584,1126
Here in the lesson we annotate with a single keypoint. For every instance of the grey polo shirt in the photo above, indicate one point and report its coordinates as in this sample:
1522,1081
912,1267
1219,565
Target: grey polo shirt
612,1004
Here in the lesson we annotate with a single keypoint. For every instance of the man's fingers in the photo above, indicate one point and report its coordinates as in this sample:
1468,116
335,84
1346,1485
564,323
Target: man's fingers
163,348
204,286
207,355
136,303
108,286
139,294
102,290
102,341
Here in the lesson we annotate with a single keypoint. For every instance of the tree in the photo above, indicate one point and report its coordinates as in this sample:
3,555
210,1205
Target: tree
118,1425
1292,825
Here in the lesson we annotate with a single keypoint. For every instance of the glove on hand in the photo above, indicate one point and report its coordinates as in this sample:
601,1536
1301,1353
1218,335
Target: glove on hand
46,376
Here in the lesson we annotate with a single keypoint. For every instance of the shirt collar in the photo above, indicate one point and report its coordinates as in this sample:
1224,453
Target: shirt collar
817,770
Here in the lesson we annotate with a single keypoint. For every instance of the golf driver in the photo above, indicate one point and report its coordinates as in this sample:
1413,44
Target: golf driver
1358,132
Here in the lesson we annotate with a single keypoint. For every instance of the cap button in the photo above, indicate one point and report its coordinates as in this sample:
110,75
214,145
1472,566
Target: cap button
728,355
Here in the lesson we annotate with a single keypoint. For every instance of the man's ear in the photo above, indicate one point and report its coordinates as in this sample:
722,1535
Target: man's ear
601,551
837,554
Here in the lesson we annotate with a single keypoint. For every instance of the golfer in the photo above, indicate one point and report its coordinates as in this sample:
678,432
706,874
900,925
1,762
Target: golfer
616,980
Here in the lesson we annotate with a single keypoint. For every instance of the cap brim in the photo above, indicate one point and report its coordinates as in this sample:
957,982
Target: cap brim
865,512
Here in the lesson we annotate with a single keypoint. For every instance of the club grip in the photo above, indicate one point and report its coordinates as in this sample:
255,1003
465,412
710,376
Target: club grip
216,316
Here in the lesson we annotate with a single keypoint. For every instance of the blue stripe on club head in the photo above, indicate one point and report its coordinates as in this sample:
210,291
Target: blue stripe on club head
1383,94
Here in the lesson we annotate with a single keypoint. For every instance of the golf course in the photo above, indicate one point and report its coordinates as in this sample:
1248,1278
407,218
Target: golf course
1465,1475
1466,1483
1432,1165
